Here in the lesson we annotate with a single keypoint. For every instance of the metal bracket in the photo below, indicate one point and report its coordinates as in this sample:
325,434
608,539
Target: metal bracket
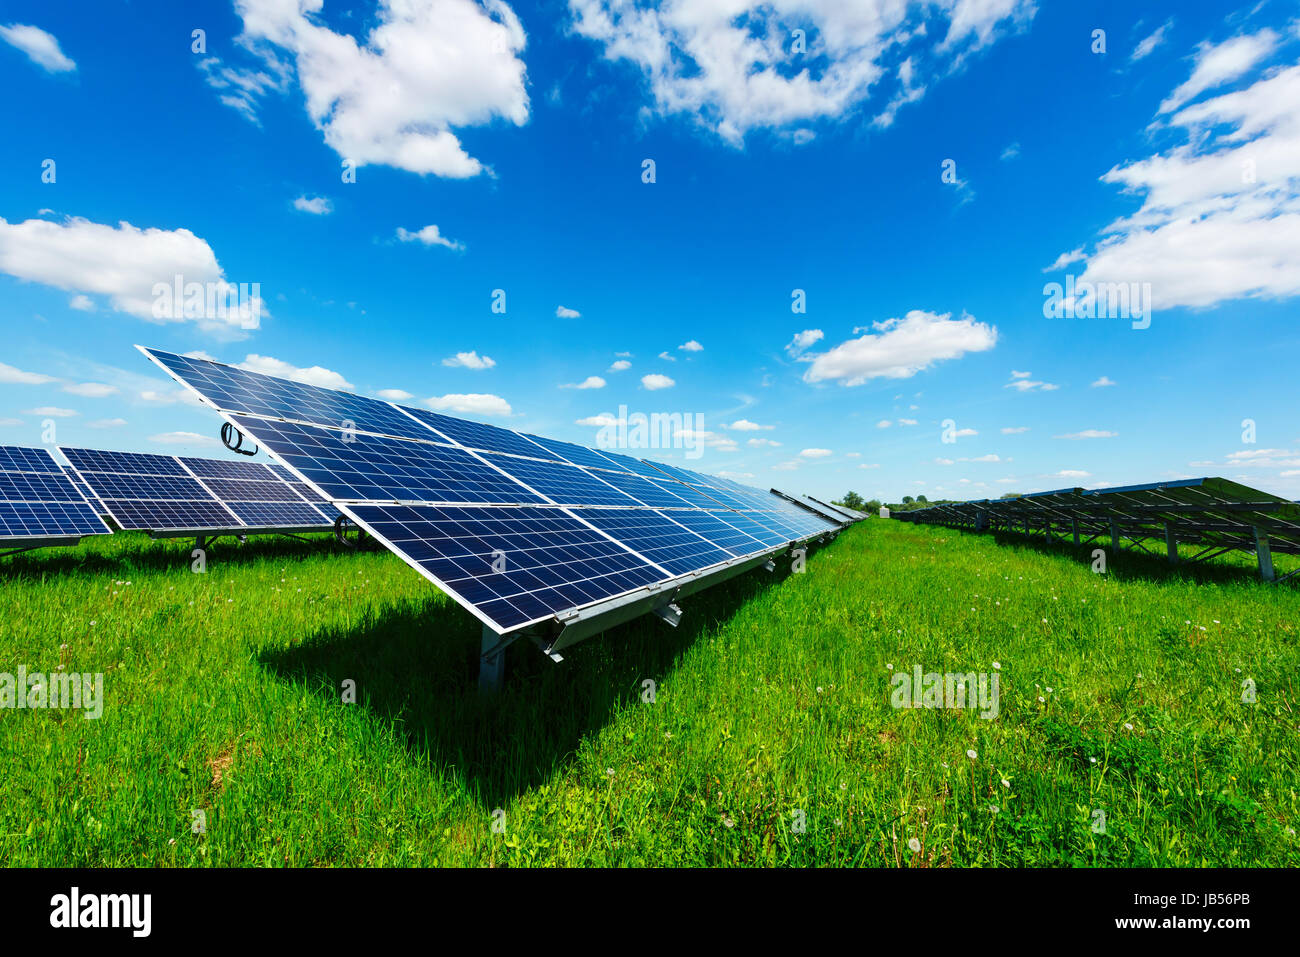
770,566
671,613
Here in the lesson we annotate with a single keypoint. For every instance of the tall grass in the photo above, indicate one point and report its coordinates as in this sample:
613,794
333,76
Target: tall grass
770,739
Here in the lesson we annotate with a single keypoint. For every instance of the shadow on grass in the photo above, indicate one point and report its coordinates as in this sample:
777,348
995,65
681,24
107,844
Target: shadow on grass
416,668
1132,563
131,551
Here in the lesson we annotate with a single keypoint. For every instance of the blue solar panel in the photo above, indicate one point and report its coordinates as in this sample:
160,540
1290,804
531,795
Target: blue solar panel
125,463
14,458
657,537
370,468
38,500
276,514
654,494
576,454
221,468
549,561
237,390
635,466
714,527
176,515
25,520
562,484
745,521
476,435
244,490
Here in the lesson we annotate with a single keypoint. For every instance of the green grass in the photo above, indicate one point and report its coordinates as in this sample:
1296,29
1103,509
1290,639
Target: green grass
223,693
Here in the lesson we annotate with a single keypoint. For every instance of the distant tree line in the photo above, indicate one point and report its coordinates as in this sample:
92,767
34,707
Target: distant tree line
909,503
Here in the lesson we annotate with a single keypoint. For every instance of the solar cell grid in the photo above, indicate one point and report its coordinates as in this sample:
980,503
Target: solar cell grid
713,527
577,454
238,390
116,485
26,520
644,491
370,468
476,435
221,468
654,536
550,561
37,487
562,484
15,458
276,514
125,463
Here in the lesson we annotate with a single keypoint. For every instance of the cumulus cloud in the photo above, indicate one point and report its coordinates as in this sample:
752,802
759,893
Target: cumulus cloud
394,395
620,365
90,390
474,403
42,48
655,381
429,236
734,68
744,425
1087,434
691,346
393,96
51,411
15,376
1015,429
106,424
1220,214
316,205
564,312
469,360
312,375
124,263
82,303
591,382
1103,382
1022,382
901,347
802,341
762,444
815,453
1150,42
601,421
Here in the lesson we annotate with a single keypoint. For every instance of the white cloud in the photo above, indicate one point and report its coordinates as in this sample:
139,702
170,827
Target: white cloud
907,422
691,346
1070,473
655,381
429,236
106,424
943,461
312,375
184,438
1015,429
762,444
469,360
591,382
316,205
41,48
667,356
990,457
601,421
123,263
964,433
1087,434
82,303
52,411
786,466
474,403
1220,214
744,425
14,376
884,424
871,465
1011,152
803,340
815,453
1063,260
1021,382
902,348
693,437
6,422
1217,64
1103,382
1149,43
394,395
619,366
731,66
90,390
564,312
392,97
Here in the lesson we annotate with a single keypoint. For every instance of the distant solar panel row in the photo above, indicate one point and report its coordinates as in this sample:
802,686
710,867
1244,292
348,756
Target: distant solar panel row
1214,513
163,493
517,527
38,501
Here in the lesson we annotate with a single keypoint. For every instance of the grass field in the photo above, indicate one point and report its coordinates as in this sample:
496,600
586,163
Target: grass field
770,739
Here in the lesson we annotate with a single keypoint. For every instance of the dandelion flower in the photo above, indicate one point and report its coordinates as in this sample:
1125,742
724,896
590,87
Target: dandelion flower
914,845
971,753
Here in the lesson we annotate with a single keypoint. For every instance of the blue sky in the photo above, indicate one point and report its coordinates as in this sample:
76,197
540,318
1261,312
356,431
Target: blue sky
503,147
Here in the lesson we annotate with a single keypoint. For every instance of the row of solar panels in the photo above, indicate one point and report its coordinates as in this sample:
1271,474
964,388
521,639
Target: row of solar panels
42,502
520,529
1215,514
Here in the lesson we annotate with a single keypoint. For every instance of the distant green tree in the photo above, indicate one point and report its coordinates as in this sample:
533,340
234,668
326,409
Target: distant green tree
921,498
1009,495
908,500
852,500
873,505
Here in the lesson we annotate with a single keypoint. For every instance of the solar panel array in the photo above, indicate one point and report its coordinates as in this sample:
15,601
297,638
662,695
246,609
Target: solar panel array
39,502
1214,514
182,494
518,528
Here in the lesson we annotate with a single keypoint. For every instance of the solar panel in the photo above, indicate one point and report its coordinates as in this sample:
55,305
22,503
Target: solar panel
657,537
166,494
549,561
39,502
574,527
